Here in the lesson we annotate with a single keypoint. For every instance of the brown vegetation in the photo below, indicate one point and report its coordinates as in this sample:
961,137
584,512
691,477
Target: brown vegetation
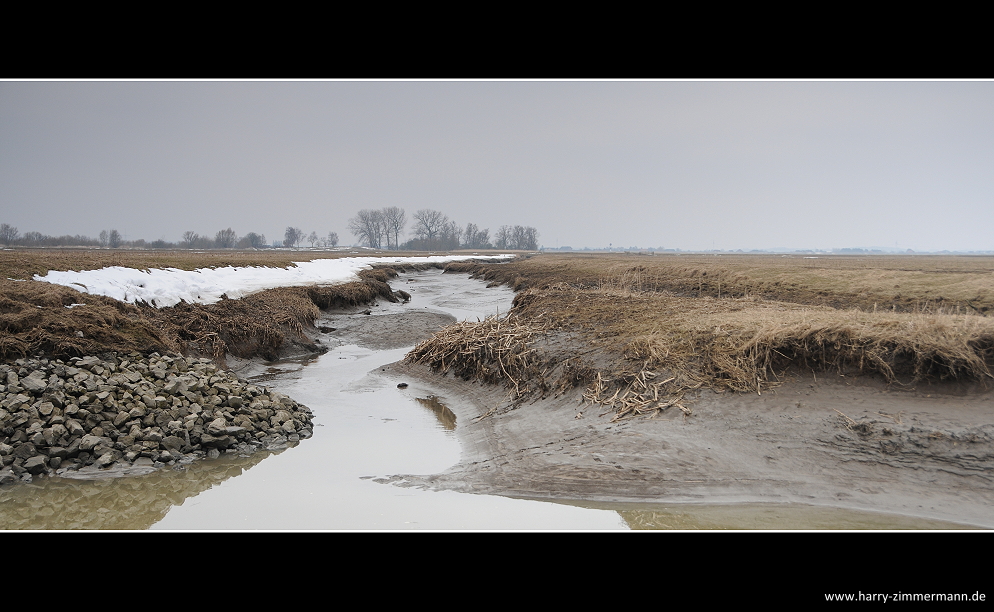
909,283
638,333
56,321
42,318
23,264
654,336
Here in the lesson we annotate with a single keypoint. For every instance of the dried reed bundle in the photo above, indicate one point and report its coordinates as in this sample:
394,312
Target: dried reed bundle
635,395
493,350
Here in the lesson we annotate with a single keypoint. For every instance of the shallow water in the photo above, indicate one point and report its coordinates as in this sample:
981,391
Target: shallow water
366,428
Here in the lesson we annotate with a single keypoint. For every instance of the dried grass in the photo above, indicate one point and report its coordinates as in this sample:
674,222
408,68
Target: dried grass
744,350
666,325
34,319
493,350
930,284
653,349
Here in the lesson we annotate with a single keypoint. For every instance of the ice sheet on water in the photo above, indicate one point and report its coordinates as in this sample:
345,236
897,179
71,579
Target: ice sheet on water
170,286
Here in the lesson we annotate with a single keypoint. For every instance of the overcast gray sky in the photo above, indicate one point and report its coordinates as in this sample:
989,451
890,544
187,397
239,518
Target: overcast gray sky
689,165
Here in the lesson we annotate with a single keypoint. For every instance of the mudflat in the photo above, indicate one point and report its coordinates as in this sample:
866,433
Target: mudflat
829,441
860,383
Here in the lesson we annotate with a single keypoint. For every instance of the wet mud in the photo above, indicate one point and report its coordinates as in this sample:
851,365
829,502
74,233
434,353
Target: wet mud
838,443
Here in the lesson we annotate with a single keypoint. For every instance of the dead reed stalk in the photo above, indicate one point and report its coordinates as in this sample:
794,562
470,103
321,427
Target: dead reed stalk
493,350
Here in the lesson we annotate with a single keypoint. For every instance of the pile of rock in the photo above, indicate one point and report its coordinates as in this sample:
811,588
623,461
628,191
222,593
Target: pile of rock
154,410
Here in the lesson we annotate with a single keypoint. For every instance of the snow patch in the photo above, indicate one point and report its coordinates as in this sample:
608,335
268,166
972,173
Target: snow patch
170,286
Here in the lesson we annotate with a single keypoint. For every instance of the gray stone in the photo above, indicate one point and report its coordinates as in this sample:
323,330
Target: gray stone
95,411
36,465
107,458
25,450
217,426
88,442
173,443
35,383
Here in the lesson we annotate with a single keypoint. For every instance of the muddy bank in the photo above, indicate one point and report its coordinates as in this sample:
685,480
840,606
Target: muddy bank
58,322
836,442
624,395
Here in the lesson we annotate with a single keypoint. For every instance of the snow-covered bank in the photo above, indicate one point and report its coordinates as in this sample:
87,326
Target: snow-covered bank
170,286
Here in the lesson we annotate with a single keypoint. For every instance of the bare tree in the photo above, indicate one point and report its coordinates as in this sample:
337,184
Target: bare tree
428,224
530,241
103,238
394,219
8,233
312,238
293,236
252,240
368,227
503,238
114,240
474,238
331,240
189,238
517,237
225,239
450,236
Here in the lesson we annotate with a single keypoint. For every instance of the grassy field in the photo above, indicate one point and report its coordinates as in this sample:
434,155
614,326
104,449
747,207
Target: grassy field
639,332
906,283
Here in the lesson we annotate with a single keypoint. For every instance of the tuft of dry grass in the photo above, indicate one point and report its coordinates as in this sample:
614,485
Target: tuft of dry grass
493,350
50,319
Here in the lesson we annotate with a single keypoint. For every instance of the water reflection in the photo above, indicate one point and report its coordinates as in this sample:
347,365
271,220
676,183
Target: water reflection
764,517
445,416
135,502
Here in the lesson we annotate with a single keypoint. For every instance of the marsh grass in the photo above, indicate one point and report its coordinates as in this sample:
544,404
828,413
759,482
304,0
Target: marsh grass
637,334
655,337
52,320
936,284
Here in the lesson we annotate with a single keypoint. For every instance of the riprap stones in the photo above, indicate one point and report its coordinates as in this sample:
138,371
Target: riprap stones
122,410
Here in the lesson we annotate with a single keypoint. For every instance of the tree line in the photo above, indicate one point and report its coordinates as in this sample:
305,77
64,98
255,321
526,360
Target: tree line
434,231
223,239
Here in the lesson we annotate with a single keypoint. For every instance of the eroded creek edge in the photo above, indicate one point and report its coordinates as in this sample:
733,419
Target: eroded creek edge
838,442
